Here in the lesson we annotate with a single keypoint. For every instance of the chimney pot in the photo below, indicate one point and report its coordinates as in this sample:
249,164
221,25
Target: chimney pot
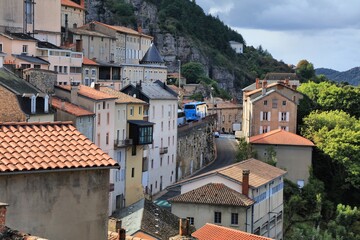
257,81
183,227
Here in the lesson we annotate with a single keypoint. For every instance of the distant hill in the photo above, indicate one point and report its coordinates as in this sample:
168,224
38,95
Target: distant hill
351,76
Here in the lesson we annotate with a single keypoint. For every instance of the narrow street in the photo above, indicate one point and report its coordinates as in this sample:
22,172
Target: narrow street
226,146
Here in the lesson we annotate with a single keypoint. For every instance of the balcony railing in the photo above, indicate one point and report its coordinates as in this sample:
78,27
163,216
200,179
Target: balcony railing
163,150
123,143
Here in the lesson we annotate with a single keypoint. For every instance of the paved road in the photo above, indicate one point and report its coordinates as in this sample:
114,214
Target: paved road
226,146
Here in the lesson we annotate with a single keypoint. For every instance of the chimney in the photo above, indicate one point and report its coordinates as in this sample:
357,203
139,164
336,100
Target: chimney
74,92
264,84
183,227
3,213
122,234
287,82
257,81
92,26
245,182
62,105
97,86
138,86
82,4
79,45
140,29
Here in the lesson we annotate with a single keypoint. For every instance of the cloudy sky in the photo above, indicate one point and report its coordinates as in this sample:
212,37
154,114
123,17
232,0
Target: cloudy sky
325,32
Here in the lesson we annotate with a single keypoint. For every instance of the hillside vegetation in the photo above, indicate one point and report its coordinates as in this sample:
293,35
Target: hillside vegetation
351,76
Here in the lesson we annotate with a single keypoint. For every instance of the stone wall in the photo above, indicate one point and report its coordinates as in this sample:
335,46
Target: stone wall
195,147
44,80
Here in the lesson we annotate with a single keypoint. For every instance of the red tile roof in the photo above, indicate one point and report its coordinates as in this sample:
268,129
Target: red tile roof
70,3
87,61
88,92
48,146
214,232
70,108
260,172
280,137
214,194
122,97
124,30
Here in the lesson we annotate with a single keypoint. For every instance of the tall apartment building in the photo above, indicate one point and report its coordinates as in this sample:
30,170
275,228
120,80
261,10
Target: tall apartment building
162,153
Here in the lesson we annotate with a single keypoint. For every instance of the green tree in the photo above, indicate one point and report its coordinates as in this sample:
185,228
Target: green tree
346,225
244,151
305,70
192,71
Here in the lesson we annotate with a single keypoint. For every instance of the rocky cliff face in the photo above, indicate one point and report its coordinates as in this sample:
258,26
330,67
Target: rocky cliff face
171,47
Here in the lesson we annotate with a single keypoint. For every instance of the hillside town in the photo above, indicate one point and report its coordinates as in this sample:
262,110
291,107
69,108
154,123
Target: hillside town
97,143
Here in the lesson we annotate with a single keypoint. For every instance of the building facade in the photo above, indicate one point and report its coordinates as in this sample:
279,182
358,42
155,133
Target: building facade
268,108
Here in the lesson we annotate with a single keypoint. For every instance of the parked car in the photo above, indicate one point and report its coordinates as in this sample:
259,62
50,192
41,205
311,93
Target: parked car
216,134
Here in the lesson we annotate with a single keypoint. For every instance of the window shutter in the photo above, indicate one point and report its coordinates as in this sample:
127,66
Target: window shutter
268,129
287,116
261,129
279,116
269,116
287,128
261,115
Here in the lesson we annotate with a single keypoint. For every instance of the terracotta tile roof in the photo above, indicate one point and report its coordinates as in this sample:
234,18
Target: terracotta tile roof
47,146
123,29
214,232
87,61
70,3
260,172
281,137
214,194
7,233
260,89
70,108
121,97
88,92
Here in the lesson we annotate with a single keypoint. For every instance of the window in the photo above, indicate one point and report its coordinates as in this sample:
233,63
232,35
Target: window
264,116
284,103
55,68
107,138
140,110
152,163
93,72
274,103
234,218
65,69
279,217
284,116
60,69
104,104
133,172
29,11
1,47
131,111
133,150
25,48
37,66
99,118
217,217
162,126
86,71
160,161
75,69
257,231
191,220
300,183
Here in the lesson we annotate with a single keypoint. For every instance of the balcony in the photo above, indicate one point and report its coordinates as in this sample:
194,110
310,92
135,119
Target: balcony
123,143
163,150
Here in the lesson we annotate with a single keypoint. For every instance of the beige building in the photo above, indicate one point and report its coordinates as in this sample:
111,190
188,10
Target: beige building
55,180
270,107
28,17
103,106
255,205
132,137
90,72
288,150
229,115
72,14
